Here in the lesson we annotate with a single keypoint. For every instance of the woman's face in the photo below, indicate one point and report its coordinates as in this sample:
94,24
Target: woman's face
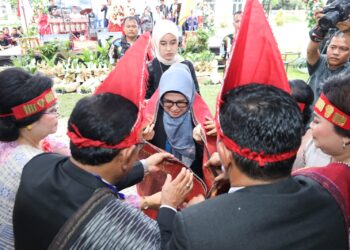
325,137
175,104
168,46
47,124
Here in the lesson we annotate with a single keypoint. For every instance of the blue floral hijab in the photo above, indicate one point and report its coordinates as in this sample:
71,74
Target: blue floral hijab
179,129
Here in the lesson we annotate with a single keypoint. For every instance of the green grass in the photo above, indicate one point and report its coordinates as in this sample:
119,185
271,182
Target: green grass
293,73
293,19
67,102
209,93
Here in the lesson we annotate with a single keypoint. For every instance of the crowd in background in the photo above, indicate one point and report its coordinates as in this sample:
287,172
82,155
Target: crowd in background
7,38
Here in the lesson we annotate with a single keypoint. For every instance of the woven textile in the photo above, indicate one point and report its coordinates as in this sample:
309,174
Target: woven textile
12,160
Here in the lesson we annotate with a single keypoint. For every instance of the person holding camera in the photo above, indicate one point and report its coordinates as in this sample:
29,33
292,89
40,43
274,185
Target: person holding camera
336,60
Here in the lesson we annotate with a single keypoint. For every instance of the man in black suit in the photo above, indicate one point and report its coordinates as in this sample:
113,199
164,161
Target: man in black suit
265,208
53,187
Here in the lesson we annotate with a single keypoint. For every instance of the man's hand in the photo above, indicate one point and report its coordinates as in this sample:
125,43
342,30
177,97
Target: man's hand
174,192
214,160
156,159
318,15
344,26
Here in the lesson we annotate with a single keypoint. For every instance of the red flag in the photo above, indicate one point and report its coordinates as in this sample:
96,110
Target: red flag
127,79
18,8
256,57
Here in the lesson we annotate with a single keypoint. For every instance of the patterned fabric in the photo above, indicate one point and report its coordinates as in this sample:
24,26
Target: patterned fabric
12,160
119,226
105,222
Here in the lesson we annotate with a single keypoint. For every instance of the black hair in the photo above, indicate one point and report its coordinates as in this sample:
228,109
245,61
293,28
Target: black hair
262,118
130,18
238,12
104,117
339,34
337,91
17,87
302,93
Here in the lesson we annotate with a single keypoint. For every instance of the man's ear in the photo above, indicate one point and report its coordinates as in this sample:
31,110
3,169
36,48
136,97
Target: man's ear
127,157
225,155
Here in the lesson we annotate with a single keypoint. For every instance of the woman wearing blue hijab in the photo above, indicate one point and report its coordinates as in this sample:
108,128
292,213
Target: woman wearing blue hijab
174,123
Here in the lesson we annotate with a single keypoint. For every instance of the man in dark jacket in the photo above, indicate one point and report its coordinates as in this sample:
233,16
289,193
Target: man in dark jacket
53,187
265,208
121,45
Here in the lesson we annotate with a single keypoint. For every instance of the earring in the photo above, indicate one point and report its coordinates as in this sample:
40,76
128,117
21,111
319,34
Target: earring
344,144
29,127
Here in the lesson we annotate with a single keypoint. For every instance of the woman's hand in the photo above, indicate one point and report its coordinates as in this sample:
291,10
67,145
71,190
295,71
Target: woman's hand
197,133
209,126
195,200
148,132
152,201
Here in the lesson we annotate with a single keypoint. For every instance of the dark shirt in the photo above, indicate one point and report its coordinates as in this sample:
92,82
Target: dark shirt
156,70
163,8
320,72
52,8
191,24
4,42
226,45
291,213
52,188
119,47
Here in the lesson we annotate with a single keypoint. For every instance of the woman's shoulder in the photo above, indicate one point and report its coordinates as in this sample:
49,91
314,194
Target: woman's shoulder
189,64
18,155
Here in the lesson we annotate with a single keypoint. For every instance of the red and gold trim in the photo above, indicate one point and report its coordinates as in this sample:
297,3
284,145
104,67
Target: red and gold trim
36,105
326,109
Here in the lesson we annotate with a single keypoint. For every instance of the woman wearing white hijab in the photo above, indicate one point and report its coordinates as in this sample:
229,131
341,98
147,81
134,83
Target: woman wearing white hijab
165,42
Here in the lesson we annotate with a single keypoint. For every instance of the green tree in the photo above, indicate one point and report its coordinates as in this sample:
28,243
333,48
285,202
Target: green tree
311,7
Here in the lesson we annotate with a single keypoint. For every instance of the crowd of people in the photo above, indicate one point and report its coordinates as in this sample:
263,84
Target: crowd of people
8,39
282,147
115,12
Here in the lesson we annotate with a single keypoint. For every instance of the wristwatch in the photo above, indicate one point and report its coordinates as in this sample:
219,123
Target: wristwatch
145,203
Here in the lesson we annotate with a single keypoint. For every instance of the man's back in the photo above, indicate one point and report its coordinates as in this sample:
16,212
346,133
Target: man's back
52,188
289,214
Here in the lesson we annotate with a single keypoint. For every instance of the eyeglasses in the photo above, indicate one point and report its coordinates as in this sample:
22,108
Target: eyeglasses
168,104
52,111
